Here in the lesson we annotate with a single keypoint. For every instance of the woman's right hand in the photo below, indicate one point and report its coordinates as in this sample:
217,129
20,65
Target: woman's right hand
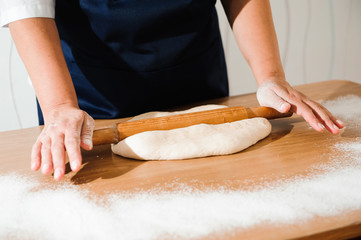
66,129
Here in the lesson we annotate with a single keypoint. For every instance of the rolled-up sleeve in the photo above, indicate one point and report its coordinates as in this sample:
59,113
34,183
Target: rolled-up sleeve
13,10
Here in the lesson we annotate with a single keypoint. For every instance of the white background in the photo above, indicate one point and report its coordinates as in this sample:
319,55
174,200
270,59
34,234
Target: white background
319,40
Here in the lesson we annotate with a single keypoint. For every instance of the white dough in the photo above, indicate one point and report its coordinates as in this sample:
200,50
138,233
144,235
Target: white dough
195,141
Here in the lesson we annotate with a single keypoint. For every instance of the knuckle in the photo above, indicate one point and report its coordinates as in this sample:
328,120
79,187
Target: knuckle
45,140
56,146
35,146
45,148
326,119
87,116
301,95
41,137
75,121
306,113
51,131
87,132
317,106
293,97
91,123
88,128
280,102
72,141
309,112
58,162
79,115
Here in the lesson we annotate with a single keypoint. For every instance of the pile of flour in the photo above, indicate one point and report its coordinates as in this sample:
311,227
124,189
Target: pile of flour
27,210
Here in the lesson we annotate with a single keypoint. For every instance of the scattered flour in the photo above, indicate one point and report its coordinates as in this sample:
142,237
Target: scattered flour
28,211
347,108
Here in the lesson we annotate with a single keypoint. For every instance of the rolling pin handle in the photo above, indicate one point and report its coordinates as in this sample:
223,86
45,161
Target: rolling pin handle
105,136
266,112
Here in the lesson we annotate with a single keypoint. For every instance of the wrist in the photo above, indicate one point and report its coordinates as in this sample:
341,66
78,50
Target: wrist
51,112
271,77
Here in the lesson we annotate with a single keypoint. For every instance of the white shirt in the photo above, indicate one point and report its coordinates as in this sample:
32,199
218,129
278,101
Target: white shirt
13,10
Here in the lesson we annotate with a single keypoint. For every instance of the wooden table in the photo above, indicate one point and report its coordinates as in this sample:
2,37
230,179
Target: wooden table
288,151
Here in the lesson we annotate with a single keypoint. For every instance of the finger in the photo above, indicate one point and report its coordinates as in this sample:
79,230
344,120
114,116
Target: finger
328,120
36,156
86,141
340,124
72,146
58,156
336,121
46,160
299,107
308,114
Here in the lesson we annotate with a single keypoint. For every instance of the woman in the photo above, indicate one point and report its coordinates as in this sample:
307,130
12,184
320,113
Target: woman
115,58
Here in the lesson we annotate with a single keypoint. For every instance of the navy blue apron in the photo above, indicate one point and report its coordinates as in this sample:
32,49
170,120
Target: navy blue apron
132,56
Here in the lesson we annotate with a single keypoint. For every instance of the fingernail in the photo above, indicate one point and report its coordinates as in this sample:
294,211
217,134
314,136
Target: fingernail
284,106
45,166
57,173
340,122
88,142
335,127
33,165
75,166
321,126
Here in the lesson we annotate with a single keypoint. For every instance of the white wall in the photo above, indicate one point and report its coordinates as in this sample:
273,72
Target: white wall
17,100
319,40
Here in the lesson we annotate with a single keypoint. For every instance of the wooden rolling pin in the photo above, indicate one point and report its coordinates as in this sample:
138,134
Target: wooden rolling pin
123,130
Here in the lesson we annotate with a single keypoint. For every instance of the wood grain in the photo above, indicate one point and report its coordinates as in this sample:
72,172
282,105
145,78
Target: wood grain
291,149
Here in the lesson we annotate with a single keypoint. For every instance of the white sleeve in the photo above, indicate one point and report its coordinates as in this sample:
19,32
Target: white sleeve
13,10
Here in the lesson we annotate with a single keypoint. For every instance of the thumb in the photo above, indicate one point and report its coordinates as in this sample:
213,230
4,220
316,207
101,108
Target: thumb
268,98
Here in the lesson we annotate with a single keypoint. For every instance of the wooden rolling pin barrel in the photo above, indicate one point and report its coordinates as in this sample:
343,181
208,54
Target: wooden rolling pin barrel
123,130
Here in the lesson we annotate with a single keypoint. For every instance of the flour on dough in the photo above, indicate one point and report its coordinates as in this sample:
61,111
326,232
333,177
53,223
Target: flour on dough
195,141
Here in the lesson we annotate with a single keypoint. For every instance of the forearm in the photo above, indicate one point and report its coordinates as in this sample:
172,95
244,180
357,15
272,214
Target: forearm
38,44
252,25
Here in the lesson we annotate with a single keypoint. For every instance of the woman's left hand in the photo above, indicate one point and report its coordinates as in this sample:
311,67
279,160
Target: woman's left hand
278,94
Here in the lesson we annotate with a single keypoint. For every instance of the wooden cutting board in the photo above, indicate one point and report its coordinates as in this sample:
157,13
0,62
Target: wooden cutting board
103,172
